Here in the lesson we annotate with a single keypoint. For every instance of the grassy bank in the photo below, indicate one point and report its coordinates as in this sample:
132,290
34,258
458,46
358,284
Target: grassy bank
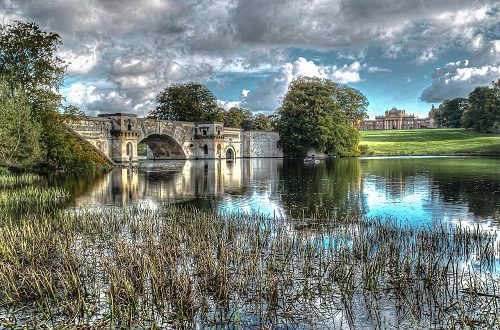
429,142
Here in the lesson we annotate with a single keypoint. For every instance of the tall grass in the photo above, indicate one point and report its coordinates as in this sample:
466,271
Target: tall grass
182,267
10,180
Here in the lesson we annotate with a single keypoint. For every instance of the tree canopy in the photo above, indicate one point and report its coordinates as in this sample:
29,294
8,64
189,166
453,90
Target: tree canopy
320,114
19,145
450,112
186,102
234,117
32,73
483,110
29,61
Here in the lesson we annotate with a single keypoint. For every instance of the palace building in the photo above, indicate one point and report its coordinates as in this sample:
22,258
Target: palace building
398,119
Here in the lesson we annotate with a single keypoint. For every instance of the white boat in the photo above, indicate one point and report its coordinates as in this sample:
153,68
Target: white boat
310,160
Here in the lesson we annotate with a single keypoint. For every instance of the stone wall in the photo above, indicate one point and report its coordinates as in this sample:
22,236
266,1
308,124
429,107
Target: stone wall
261,144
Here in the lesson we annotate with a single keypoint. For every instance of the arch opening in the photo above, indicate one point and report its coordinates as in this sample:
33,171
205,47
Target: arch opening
129,150
161,146
230,154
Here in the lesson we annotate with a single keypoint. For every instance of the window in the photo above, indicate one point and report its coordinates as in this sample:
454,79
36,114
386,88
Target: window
205,149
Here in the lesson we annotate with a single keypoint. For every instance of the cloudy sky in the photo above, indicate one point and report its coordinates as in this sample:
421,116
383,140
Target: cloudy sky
404,53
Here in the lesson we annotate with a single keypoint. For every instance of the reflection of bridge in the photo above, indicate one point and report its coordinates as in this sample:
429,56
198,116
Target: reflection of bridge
117,136
177,181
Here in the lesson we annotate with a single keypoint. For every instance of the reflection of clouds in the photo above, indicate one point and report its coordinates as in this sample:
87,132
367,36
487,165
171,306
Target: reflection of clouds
419,192
412,200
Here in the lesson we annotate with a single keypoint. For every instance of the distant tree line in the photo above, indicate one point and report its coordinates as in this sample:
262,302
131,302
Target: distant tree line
32,132
480,111
195,102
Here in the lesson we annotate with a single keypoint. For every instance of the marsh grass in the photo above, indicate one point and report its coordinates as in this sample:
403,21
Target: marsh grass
182,267
8,180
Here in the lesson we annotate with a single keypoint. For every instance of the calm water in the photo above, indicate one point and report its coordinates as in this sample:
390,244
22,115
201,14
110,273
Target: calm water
420,190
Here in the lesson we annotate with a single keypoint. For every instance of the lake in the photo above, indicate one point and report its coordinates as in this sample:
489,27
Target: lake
420,191
366,243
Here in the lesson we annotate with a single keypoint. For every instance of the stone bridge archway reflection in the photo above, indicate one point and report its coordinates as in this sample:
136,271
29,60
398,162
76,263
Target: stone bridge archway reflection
163,146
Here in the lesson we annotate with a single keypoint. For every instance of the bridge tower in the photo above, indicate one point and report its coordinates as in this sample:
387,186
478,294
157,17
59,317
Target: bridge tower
123,136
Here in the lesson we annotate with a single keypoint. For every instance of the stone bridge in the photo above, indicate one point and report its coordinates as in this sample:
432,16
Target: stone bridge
117,137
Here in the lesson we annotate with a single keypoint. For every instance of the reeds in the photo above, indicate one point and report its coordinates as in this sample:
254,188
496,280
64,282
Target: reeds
183,268
11,180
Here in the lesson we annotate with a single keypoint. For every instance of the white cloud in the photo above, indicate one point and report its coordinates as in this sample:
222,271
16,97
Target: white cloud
80,63
458,79
228,104
373,69
426,56
266,96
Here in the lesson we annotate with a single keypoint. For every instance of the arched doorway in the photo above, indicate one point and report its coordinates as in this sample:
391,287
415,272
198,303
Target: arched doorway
130,151
230,154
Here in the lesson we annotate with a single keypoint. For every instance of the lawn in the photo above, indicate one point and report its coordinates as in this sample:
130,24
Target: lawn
444,141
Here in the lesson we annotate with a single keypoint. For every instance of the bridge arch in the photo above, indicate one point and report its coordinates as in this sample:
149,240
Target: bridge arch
164,146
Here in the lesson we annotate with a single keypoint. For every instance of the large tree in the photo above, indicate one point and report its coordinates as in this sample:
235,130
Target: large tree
320,114
187,102
30,66
450,112
19,134
483,110
29,61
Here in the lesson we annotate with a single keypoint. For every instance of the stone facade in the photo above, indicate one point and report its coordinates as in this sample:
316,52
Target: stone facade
117,137
397,119
261,144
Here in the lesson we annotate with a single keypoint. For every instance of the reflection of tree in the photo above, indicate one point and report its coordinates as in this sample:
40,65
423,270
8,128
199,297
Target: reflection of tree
77,184
332,186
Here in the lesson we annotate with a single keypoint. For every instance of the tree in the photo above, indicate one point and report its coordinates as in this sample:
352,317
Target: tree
186,102
263,123
450,112
483,110
320,114
19,145
30,66
234,117
29,61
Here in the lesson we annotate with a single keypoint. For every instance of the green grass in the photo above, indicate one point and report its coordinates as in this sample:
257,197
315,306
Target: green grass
443,141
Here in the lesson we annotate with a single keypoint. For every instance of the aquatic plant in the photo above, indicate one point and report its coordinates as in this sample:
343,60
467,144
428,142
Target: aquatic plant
183,267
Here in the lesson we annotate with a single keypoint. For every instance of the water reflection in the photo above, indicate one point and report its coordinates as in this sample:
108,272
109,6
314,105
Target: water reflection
418,190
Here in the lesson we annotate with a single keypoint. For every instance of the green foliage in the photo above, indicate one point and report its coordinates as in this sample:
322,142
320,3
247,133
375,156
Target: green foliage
450,112
187,102
28,61
4,171
65,151
320,114
33,73
234,117
263,122
19,134
483,111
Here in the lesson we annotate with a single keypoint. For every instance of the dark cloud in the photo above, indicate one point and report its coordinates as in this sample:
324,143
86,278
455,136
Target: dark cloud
123,52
